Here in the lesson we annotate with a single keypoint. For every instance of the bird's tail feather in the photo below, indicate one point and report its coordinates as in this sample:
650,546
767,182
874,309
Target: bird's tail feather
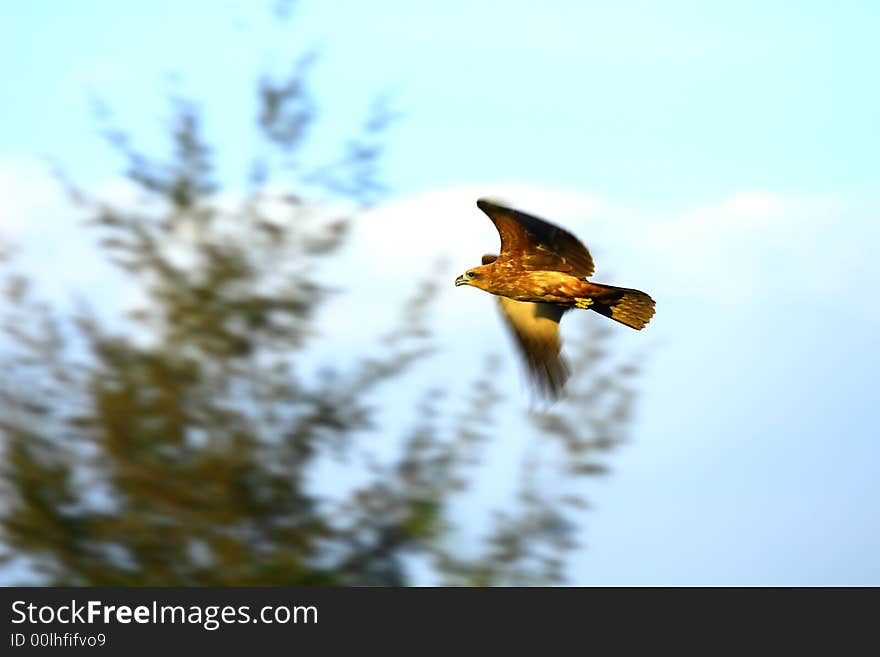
627,306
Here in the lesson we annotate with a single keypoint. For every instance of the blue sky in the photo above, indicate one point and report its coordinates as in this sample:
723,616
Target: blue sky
722,156
642,99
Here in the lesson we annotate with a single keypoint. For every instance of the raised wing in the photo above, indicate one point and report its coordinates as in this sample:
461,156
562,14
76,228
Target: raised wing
531,243
535,327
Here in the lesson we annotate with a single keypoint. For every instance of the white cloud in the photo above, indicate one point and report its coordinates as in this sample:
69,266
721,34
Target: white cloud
52,246
749,246
28,195
728,253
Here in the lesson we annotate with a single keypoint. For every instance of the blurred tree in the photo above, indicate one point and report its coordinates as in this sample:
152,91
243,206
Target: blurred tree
178,446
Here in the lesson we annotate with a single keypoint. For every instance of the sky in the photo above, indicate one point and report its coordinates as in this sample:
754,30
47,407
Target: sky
722,156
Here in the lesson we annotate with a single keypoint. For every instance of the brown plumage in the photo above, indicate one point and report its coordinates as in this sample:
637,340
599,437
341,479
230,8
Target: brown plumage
541,273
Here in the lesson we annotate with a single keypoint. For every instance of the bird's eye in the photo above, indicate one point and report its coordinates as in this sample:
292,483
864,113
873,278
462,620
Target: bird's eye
470,274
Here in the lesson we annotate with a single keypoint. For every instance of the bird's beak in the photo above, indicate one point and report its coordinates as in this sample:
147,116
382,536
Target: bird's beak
461,280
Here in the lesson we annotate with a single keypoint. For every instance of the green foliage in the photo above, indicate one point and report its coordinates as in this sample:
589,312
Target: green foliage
179,446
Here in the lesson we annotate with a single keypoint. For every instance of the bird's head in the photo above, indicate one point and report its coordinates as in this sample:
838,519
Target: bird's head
475,277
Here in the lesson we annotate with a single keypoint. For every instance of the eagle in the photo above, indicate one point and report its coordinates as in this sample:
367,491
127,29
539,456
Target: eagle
540,274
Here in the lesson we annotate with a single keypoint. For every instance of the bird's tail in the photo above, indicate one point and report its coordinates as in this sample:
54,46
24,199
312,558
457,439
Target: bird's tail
627,306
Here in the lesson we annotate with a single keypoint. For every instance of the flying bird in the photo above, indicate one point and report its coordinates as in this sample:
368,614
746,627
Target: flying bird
540,274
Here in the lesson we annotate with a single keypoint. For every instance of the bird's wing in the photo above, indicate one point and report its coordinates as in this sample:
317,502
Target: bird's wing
535,327
534,244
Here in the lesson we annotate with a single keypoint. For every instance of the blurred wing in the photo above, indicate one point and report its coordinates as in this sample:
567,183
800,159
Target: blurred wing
535,326
534,244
